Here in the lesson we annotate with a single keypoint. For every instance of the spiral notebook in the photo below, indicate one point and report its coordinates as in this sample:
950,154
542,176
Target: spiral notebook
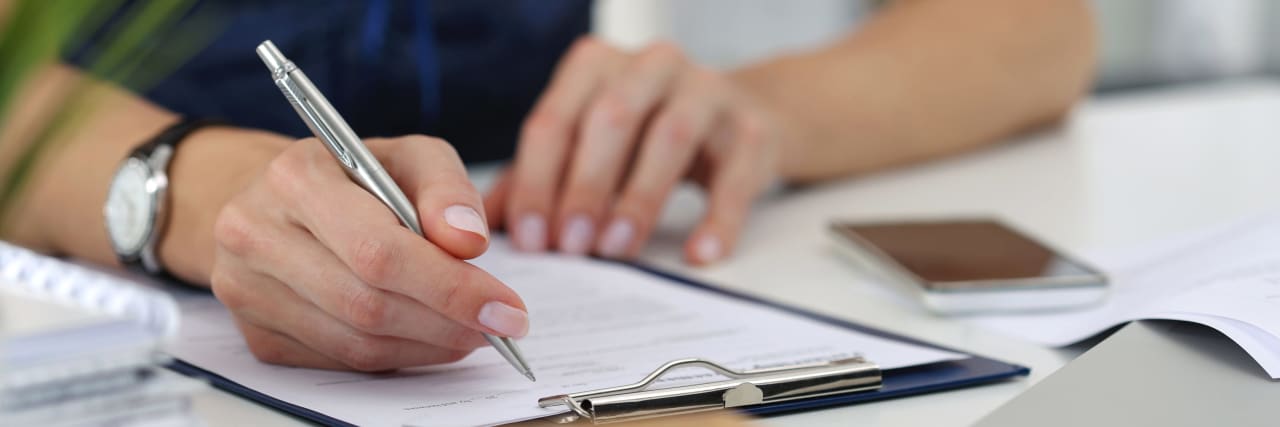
29,274
81,346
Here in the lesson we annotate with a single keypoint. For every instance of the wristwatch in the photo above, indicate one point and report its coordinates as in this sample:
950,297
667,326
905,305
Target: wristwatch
137,201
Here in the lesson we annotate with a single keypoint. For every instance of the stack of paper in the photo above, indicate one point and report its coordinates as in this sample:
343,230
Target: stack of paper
1227,278
90,371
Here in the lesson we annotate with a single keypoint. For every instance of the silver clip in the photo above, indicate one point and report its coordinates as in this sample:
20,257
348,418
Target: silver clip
744,388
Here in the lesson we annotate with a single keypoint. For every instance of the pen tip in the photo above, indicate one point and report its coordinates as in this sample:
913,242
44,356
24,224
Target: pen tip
529,374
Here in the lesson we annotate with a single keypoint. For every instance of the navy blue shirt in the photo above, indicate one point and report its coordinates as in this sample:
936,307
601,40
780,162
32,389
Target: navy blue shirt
464,70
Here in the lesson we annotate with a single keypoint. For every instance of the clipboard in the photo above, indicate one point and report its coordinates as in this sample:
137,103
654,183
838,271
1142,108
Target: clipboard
886,384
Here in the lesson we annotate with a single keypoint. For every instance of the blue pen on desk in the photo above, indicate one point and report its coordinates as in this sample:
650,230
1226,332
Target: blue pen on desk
356,160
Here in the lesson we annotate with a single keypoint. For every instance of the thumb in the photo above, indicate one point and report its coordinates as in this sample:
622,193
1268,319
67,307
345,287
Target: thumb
717,234
732,188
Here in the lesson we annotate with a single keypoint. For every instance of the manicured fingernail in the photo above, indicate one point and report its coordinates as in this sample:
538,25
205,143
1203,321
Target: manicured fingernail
531,233
466,219
617,238
708,248
506,320
576,236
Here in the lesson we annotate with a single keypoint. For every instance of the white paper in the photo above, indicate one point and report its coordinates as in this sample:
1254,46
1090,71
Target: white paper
1227,278
593,325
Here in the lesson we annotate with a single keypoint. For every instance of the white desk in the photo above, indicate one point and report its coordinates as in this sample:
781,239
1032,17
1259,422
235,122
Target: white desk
1124,169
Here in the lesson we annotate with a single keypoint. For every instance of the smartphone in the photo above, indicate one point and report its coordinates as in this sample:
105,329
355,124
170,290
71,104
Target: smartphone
970,265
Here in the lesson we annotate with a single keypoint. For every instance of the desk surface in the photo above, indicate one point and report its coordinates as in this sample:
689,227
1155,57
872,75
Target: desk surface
1125,169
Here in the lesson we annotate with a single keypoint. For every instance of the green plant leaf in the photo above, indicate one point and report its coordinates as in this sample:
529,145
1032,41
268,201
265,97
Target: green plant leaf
36,31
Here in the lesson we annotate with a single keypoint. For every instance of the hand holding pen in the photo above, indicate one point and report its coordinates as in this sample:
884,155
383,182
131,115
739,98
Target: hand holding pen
321,273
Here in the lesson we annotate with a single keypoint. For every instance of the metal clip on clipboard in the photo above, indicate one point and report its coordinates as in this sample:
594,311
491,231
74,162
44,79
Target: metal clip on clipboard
744,388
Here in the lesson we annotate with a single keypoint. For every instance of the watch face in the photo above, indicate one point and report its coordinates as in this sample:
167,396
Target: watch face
129,209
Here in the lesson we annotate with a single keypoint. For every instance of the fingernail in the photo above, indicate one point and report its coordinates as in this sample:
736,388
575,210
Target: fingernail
531,233
576,236
506,320
466,219
617,238
707,248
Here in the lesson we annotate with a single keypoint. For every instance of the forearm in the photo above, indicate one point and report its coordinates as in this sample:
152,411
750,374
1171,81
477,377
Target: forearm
926,78
60,211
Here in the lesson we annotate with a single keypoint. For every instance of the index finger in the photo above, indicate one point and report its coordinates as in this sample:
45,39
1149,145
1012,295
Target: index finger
392,258
431,174
384,254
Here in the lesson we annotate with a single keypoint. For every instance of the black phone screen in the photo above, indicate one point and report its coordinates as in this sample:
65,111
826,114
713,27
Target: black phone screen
958,253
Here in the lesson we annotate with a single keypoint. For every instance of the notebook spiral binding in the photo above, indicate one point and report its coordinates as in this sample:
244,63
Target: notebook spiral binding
31,274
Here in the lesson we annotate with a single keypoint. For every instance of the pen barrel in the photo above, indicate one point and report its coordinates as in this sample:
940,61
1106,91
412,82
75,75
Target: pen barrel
356,160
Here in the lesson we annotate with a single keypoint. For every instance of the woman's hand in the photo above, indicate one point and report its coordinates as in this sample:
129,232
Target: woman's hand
320,274
611,137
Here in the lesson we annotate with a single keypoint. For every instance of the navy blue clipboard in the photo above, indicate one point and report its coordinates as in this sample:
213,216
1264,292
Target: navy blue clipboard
913,380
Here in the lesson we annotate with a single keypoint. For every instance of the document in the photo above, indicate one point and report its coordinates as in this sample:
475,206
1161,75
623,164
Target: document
594,324
1227,278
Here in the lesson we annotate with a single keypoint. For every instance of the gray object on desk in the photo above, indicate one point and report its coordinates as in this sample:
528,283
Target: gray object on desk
1151,373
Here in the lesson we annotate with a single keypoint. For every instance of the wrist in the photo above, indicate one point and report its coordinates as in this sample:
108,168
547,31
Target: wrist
765,83
208,169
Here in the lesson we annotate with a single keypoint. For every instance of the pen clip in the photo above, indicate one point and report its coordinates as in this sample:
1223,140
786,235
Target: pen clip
283,73
302,104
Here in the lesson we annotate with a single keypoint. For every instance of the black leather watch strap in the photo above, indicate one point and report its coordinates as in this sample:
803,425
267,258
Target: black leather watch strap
175,134
170,137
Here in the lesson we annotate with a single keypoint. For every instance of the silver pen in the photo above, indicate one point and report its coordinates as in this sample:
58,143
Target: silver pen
356,159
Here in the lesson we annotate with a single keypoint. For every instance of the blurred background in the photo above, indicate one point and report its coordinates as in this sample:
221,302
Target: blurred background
1141,42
